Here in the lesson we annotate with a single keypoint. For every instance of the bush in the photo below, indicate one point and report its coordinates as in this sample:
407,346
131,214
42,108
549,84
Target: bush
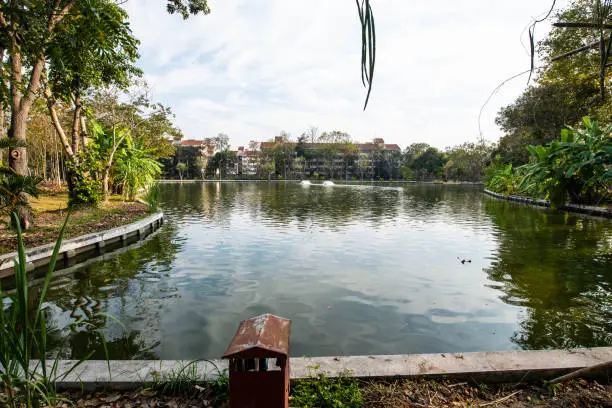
84,192
502,178
152,197
575,168
323,392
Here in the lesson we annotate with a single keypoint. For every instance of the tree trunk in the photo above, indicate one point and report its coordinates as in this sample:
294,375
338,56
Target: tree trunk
18,158
57,124
84,138
105,183
76,124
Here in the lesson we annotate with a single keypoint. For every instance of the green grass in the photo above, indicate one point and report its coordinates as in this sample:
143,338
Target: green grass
322,392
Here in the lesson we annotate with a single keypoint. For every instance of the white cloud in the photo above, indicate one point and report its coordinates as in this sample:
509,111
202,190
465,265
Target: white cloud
255,67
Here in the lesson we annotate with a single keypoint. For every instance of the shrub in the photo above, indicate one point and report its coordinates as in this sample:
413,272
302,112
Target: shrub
502,178
85,192
152,197
323,392
577,167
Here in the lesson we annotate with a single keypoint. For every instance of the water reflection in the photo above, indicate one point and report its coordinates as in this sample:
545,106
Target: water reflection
358,270
559,267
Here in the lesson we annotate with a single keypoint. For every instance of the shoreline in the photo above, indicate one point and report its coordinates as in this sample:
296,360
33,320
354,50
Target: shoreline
39,256
575,208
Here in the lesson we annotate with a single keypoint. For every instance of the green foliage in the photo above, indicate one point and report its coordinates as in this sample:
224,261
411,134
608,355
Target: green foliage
188,7
428,164
95,48
181,167
324,392
23,338
181,381
222,162
574,168
152,197
219,389
467,162
83,191
406,172
502,178
15,190
135,170
565,91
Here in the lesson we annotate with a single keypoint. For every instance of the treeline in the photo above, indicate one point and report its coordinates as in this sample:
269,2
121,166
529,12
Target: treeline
557,142
72,109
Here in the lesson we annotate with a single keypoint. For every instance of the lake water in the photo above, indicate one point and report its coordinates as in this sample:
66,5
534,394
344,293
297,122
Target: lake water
359,270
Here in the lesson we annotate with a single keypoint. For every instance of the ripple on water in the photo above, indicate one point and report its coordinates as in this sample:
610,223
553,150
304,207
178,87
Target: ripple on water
359,270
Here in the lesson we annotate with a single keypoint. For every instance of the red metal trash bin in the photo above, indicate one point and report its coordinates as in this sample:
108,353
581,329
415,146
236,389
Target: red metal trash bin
259,363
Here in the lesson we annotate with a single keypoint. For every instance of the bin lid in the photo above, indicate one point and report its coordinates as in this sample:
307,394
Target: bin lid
261,336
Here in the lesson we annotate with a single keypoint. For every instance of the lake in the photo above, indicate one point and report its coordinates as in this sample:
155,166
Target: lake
358,269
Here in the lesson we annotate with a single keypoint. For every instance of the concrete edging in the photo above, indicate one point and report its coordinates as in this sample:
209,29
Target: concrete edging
39,256
582,209
505,366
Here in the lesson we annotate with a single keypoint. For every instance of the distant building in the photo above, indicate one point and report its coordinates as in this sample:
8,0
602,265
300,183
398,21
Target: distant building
207,147
369,154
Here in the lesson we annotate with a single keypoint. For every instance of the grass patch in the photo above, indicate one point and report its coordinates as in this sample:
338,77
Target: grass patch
323,392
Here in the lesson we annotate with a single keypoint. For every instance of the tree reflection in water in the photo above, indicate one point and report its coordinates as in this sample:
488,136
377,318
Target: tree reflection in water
559,267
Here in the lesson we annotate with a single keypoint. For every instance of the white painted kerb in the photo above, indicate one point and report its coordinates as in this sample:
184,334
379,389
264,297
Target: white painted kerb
486,366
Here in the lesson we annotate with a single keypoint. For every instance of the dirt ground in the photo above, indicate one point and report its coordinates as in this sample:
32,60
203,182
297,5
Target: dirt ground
50,212
579,393
395,394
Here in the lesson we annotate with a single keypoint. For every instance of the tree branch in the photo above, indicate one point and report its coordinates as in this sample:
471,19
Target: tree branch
57,17
576,51
56,122
582,25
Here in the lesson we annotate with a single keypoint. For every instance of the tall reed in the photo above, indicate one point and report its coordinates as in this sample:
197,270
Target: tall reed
27,378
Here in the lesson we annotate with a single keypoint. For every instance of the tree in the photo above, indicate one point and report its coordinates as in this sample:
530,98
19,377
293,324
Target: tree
568,88
150,124
188,7
467,161
282,153
363,165
26,31
539,114
413,151
222,163
135,169
335,136
329,152
311,135
268,168
429,163
181,167
222,142
350,154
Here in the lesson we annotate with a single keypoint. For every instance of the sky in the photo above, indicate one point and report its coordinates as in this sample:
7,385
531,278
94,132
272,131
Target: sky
254,68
